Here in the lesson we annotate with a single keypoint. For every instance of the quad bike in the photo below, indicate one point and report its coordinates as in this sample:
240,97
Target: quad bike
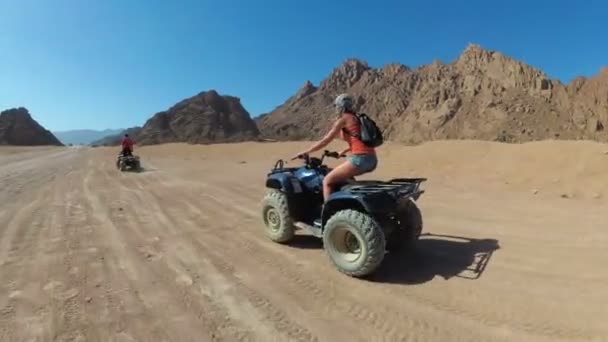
358,224
128,162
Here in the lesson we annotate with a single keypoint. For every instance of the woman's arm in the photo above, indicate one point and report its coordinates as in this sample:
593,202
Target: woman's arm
335,129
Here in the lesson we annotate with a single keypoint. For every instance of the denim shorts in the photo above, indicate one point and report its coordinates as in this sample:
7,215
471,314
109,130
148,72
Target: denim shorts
364,162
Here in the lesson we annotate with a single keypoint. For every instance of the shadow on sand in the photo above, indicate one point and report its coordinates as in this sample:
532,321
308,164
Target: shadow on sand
141,170
435,255
305,241
146,169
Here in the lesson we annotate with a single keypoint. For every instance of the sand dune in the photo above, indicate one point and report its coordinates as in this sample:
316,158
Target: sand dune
177,252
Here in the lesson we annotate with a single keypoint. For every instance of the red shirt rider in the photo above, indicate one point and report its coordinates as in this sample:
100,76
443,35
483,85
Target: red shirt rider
127,144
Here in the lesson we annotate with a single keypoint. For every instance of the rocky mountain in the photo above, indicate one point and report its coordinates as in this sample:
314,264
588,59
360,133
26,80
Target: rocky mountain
207,117
115,139
84,136
17,127
482,94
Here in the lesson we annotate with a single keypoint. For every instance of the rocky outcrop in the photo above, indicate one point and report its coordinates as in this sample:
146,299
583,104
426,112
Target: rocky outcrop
17,127
205,118
482,94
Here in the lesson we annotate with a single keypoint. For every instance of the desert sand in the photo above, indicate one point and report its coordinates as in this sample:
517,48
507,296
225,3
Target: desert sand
515,248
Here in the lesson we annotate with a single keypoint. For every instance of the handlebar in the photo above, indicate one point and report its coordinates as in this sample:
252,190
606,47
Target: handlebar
326,153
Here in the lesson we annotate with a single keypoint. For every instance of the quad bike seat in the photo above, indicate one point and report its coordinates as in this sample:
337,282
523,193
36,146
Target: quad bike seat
353,182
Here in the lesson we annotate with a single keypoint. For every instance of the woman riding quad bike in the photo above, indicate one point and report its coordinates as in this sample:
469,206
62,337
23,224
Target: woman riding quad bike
363,158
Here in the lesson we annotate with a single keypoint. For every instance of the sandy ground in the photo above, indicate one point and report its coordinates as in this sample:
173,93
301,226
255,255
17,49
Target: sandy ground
516,249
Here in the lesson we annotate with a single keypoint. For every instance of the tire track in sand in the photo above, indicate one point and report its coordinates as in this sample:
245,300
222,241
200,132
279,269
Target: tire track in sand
119,258
398,298
219,285
182,306
35,254
536,329
427,304
250,254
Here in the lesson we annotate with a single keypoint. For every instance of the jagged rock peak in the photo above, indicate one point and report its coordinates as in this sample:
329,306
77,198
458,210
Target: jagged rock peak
308,85
352,68
392,69
212,96
307,89
19,111
475,49
475,56
347,74
354,63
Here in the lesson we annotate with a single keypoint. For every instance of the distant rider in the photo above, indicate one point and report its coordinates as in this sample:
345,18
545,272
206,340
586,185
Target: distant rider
362,160
127,146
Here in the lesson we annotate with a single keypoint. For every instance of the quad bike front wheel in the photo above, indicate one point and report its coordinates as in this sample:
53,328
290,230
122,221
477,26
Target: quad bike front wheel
354,242
275,213
409,227
120,164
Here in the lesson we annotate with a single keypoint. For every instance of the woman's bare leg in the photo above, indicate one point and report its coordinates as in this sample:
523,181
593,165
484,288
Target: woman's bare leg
341,173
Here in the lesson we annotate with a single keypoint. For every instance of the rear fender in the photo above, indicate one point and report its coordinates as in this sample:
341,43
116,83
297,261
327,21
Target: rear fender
341,203
378,205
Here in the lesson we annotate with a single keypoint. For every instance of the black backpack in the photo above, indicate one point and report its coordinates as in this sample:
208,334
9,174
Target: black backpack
371,135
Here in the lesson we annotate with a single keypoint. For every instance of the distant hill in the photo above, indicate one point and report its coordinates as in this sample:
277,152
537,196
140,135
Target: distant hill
114,139
482,94
84,136
17,127
207,117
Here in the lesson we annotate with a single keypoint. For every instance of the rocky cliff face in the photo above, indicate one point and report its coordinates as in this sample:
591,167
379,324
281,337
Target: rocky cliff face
17,127
205,118
480,95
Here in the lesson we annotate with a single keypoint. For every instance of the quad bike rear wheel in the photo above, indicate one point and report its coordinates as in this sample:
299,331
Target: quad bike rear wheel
354,242
275,213
408,229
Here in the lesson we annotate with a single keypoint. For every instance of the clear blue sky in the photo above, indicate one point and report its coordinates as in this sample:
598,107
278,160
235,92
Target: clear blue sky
114,63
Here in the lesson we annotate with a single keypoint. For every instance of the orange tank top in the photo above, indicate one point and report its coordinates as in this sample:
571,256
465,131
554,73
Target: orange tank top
355,144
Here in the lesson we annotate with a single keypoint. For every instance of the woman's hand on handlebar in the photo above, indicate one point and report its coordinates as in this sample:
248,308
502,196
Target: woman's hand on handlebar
335,154
332,154
301,155
343,153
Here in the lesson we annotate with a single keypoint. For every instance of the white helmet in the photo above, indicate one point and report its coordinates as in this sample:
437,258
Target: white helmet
344,102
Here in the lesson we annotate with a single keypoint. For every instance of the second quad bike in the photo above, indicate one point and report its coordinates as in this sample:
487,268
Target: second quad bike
128,162
358,224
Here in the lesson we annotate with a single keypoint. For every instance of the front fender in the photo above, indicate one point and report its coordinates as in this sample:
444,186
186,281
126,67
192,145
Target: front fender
284,182
274,183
